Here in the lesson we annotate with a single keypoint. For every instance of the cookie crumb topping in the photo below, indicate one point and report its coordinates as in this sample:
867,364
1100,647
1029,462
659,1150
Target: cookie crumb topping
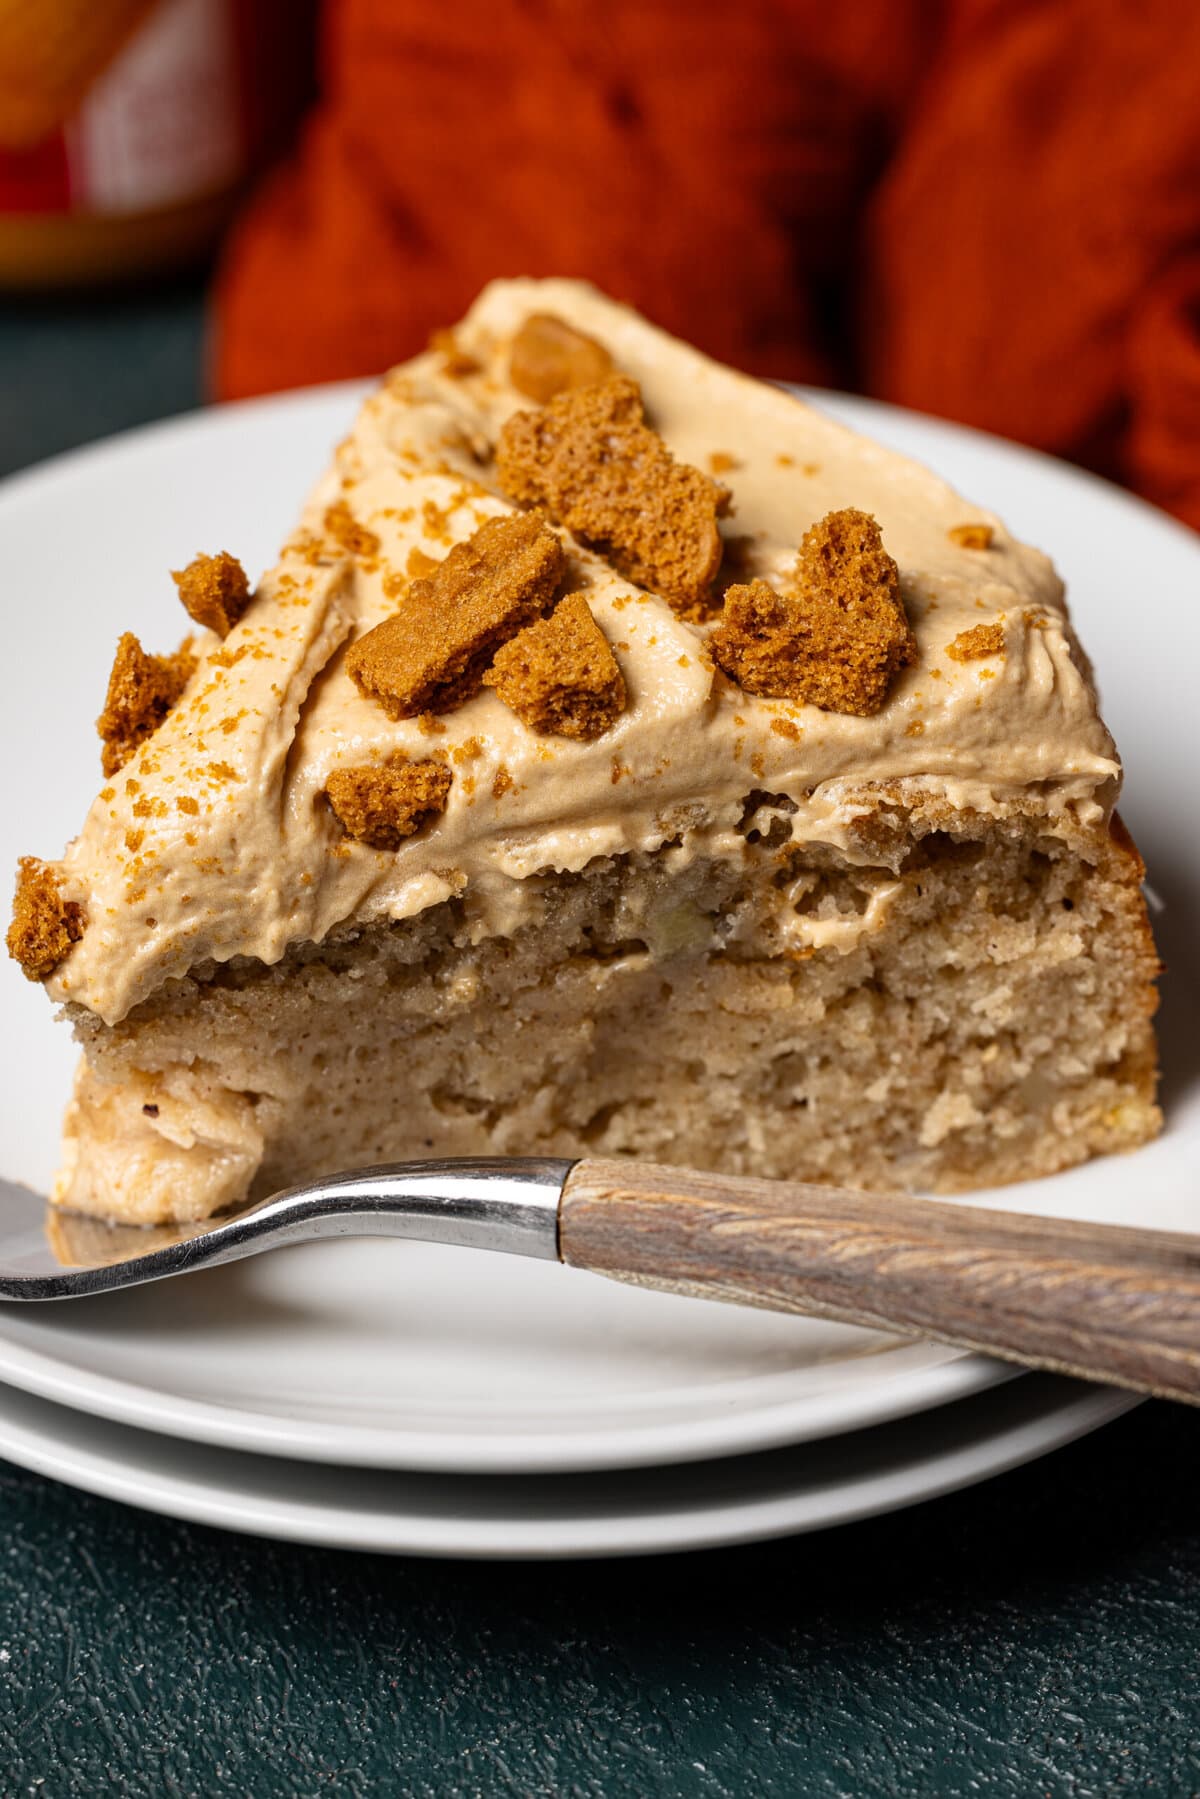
971,537
345,530
559,675
382,805
44,924
550,357
431,654
456,362
980,640
214,591
838,641
142,688
591,460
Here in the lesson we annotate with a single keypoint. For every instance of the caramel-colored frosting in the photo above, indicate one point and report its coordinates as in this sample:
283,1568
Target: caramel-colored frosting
215,840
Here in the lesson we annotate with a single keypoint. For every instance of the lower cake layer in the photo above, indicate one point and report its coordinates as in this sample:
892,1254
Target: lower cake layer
971,1007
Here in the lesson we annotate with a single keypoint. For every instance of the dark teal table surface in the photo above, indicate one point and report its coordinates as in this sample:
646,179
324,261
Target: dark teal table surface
1039,1635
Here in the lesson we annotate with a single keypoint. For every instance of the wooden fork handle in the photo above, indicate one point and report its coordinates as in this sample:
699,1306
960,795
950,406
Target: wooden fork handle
1099,1301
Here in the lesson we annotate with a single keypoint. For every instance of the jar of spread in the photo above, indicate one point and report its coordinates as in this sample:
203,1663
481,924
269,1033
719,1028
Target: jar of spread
129,127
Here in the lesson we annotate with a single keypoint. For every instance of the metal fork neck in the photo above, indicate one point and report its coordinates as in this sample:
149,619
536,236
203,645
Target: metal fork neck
500,1203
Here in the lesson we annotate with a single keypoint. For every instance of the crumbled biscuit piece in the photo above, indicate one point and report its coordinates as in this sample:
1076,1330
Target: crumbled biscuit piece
418,564
44,924
430,655
721,462
980,640
971,537
559,676
455,360
839,640
141,691
214,591
382,805
550,357
590,459
344,528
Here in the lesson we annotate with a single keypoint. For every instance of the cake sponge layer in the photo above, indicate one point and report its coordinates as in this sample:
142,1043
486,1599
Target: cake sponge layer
980,1013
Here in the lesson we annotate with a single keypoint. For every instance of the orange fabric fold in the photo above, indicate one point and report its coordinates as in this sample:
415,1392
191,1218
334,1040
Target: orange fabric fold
985,209
707,162
1164,376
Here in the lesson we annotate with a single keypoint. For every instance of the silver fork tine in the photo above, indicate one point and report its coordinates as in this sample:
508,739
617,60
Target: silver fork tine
500,1203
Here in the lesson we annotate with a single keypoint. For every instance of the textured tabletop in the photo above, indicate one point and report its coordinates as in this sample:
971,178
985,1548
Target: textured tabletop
1037,1635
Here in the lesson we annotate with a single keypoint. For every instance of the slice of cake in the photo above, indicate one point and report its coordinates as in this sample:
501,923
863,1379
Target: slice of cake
622,758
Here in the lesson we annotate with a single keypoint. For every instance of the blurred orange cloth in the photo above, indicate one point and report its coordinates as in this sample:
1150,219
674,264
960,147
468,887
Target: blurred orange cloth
985,209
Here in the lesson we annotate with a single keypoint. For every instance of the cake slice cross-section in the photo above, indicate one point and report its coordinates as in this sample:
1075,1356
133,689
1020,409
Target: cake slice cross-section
622,758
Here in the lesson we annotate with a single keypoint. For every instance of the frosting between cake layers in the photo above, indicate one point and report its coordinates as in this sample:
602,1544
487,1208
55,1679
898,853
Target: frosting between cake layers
215,841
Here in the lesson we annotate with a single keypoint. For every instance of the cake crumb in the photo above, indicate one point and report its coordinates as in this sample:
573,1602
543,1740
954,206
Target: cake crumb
430,655
344,528
381,805
502,783
839,640
721,462
142,689
560,676
980,640
971,537
783,727
592,461
44,924
214,591
550,357
915,729
430,725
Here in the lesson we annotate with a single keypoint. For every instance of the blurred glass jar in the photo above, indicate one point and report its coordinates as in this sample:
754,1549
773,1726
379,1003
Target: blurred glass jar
128,128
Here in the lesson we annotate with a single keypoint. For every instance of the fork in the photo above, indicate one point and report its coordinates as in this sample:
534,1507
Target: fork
1102,1302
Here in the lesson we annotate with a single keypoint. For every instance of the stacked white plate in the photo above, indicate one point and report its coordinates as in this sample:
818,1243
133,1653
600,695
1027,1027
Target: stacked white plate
417,1399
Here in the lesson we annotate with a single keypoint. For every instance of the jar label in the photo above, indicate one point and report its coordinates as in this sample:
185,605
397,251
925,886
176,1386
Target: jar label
160,125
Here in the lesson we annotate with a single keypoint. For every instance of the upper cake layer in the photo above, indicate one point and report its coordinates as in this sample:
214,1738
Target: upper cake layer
235,828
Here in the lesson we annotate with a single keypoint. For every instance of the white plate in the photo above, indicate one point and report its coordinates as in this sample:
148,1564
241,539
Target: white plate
401,1355
737,1500
392,1356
